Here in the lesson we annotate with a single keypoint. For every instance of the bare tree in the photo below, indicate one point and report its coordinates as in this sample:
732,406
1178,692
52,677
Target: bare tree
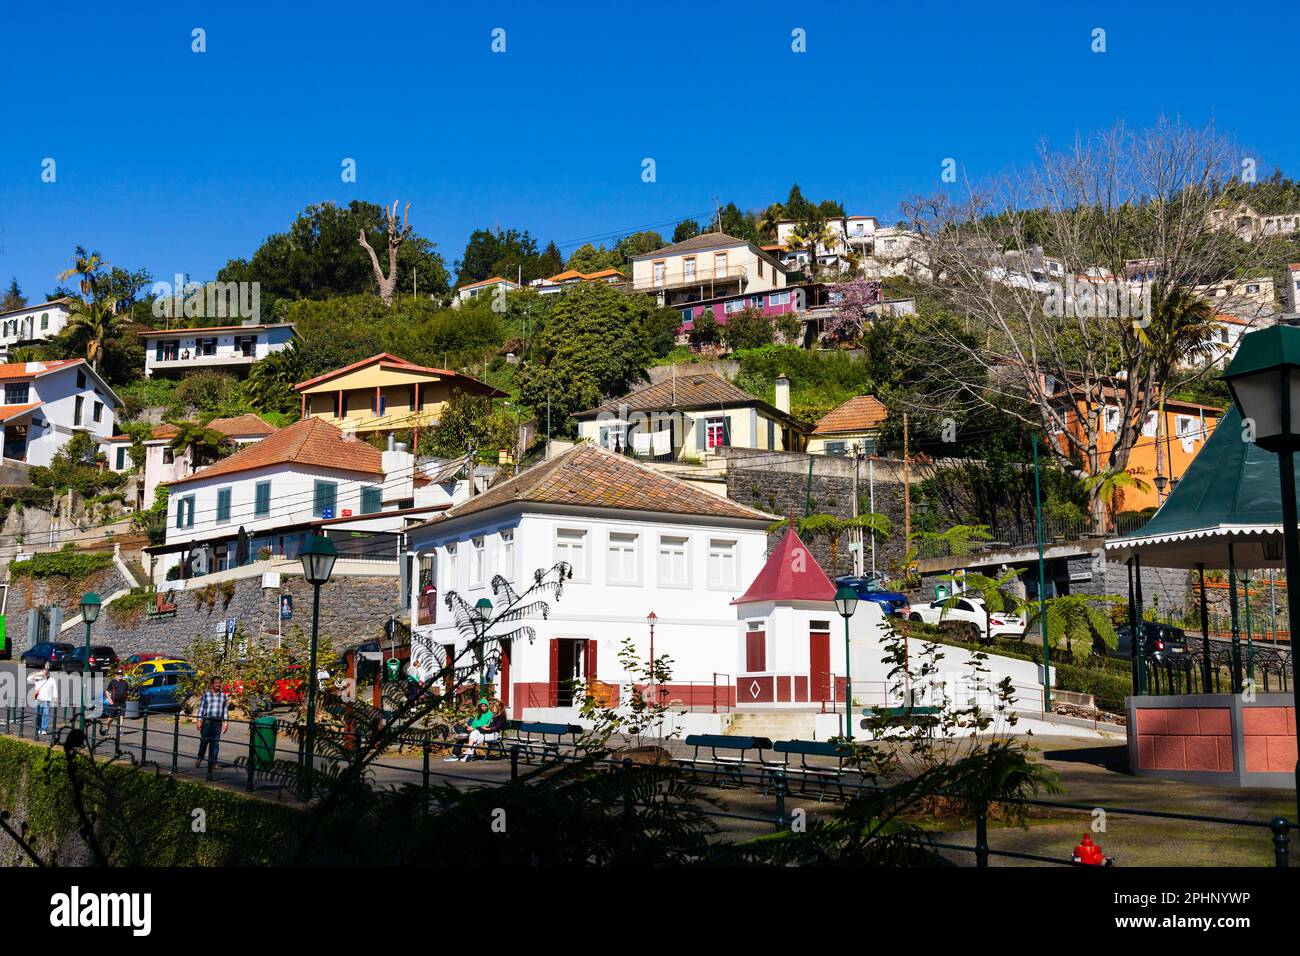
395,236
1072,282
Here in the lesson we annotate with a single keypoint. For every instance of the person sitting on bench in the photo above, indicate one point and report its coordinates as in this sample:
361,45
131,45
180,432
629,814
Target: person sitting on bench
480,719
488,733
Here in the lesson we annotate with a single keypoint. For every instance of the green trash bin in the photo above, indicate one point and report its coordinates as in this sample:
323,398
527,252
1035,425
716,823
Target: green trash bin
263,731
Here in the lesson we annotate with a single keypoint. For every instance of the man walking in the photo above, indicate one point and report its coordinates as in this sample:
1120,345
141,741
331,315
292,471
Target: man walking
213,707
47,697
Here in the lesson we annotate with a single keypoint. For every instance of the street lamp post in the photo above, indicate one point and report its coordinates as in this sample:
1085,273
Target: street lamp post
846,602
482,614
1264,379
654,696
318,559
90,605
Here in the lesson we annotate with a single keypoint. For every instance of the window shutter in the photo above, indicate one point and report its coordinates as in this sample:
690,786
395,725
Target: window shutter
223,505
700,429
726,431
370,503
263,503
589,665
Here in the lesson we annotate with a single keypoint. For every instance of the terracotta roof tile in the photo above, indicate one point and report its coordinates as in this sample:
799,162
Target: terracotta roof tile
313,442
12,370
241,426
8,412
589,476
860,414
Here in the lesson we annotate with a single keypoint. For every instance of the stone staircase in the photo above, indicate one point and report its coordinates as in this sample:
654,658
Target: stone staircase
773,724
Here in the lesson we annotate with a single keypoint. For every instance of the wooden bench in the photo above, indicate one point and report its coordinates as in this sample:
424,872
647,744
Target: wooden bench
732,761
803,749
924,717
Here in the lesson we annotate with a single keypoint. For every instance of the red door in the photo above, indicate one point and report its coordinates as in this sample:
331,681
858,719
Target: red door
504,676
553,680
819,665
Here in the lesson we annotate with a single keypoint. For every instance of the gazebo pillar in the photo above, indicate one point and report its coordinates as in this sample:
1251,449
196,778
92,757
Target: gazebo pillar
1134,650
1236,623
1250,638
1206,686
1140,635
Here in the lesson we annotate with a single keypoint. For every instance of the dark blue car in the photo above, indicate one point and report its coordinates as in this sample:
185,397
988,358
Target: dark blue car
869,589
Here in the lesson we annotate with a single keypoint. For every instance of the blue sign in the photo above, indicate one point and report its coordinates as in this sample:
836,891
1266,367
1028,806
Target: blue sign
230,627
327,513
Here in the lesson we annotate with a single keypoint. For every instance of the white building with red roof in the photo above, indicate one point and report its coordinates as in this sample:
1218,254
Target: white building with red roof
46,403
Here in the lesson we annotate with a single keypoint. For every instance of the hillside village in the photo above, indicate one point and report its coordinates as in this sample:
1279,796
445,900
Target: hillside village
660,414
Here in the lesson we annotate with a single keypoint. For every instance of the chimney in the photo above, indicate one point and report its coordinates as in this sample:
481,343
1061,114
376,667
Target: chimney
783,394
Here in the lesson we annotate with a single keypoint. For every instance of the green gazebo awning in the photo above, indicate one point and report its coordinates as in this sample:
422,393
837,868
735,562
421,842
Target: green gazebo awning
1230,492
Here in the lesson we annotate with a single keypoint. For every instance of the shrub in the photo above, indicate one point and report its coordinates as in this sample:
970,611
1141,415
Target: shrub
63,564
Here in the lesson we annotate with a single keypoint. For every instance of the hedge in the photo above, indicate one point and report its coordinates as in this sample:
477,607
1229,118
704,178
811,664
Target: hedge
63,564
159,813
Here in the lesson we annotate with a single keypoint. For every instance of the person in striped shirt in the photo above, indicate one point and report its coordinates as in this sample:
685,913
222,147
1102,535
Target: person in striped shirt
212,713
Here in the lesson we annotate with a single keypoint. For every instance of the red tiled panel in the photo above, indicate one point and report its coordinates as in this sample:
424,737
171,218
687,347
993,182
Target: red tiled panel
1182,721
754,690
1290,721
1151,720
1171,753
1202,753
1264,721
800,688
1214,721
783,688
1256,753
1226,759
1146,752
1281,754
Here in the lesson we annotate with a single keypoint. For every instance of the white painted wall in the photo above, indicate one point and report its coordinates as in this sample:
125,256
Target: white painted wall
54,423
37,323
270,339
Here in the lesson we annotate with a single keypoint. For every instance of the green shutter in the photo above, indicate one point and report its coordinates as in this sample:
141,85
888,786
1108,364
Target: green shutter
370,503
223,505
189,512
262,505
726,431
701,428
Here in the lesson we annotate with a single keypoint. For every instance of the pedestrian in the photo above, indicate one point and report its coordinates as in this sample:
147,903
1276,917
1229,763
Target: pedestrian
214,707
115,694
481,719
47,697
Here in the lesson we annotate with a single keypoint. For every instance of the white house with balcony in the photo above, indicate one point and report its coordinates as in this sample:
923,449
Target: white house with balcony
706,266
46,403
270,496
228,348
33,323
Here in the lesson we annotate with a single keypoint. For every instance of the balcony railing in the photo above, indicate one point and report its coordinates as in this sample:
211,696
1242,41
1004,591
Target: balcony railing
674,280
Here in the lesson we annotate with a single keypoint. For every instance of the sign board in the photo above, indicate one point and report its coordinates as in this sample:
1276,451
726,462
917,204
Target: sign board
1080,575
286,607
4,639
347,512
219,629
270,579
230,627
327,513
392,668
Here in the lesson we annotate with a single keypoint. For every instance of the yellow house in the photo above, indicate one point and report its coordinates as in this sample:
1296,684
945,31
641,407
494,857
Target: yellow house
855,424
385,393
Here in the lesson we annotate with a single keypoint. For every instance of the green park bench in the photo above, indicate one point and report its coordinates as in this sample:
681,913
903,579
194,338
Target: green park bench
727,756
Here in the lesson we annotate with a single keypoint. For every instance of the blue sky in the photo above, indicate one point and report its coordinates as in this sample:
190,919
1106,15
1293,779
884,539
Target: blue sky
176,161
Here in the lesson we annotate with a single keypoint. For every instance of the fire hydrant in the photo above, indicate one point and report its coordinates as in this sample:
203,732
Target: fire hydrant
1089,854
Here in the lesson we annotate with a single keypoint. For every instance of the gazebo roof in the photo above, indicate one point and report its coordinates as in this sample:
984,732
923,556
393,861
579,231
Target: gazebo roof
1231,492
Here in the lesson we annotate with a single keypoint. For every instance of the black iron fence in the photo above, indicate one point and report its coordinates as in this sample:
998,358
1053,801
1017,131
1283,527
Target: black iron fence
260,761
1266,668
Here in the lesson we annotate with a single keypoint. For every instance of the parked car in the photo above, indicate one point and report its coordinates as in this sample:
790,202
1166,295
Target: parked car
46,652
157,681
134,659
871,588
1163,643
969,609
102,657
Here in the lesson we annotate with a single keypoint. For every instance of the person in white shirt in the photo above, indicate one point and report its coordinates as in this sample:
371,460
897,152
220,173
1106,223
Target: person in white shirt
47,697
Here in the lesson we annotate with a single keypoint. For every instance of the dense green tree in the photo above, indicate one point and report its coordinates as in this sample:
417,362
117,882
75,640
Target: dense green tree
637,244
319,257
507,253
748,329
270,382
591,258
593,346
471,421
686,229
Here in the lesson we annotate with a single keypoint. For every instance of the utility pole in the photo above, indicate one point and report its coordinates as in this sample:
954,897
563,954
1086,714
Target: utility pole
907,492
871,489
857,532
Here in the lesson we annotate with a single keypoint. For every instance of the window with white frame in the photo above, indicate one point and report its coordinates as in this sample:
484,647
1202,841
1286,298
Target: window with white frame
449,569
778,298
722,563
674,561
506,554
1110,419
1149,426
613,436
719,264
476,561
621,565
734,305
1187,427
571,547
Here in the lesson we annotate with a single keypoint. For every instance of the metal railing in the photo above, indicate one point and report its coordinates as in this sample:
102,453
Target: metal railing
1008,535
156,740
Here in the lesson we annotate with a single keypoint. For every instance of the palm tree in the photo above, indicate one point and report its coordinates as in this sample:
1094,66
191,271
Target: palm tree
271,380
205,445
811,235
1076,617
831,528
92,322
84,264
1110,486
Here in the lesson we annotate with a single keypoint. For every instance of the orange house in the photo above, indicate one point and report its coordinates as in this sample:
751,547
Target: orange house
1171,444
